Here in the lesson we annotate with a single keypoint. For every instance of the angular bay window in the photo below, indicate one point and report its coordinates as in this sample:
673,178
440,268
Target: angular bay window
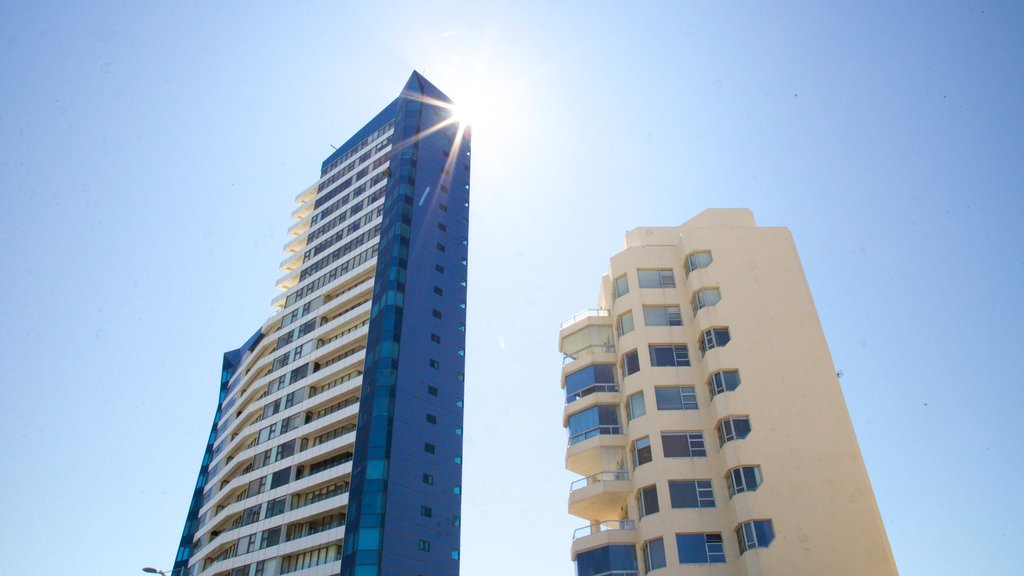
630,363
642,451
697,260
595,421
662,316
743,479
669,355
636,408
676,397
663,278
705,297
714,338
625,323
593,378
733,428
647,500
621,286
723,381
654,554
755,534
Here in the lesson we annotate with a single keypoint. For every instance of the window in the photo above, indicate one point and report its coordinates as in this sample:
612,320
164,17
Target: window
439,268
434,364
625,323
669,355
654,554
723,381
691,494
431,419
426,511
424,545
593,378
428,479
683,444
713,338
600,419
642,451
743,479
432,390
442,227
705,297
429,448
438,290
636,407
733,428
621,286
656,278
676,397
608,559
435,338
647,500
700,548
281,477
755,534
440,247
696,260
437,314
630,363
662,316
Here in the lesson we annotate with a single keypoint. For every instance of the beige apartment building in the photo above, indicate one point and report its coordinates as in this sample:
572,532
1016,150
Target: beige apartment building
705,415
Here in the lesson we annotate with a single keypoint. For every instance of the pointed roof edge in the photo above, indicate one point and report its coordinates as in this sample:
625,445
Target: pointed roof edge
425,87
416,84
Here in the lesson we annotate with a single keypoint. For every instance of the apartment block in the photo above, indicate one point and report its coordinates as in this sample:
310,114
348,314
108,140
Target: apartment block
336,445
705,415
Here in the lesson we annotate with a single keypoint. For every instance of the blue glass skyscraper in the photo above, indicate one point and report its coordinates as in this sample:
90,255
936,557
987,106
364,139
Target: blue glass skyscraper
336,446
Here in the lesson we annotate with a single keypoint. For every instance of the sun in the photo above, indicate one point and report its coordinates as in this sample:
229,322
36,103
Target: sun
463,114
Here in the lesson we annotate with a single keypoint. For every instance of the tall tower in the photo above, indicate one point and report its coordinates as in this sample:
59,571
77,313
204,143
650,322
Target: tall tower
705,416
336,446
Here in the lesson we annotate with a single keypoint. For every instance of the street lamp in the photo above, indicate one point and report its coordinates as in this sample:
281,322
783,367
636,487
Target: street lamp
149,570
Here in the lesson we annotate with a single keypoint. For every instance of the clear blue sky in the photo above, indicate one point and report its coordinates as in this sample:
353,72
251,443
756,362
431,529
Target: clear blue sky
150,152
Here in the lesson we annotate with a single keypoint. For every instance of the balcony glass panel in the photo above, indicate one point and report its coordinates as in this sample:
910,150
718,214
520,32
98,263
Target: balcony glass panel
601,419
593,378
611,560
606,476
588,341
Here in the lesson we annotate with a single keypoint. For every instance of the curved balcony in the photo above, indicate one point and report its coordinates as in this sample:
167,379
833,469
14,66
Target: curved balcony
598,376
600,495
584,314
293,261
603,534
584,457
302,226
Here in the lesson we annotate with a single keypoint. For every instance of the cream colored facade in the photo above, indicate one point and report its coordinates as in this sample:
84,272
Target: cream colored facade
803,504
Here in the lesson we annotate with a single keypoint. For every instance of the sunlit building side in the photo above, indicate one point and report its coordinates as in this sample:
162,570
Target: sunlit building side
705,415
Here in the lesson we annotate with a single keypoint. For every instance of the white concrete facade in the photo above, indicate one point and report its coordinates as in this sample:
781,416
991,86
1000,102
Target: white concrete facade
277,493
